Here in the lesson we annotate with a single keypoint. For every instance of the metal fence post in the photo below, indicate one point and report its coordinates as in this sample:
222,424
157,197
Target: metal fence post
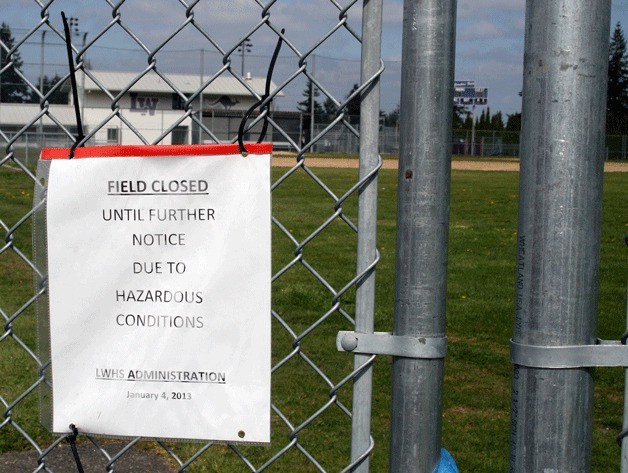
367,228
560,203
427,77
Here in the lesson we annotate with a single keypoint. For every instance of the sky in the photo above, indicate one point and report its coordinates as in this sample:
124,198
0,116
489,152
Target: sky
489,41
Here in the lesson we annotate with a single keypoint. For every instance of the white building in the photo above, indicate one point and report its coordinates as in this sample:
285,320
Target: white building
112,112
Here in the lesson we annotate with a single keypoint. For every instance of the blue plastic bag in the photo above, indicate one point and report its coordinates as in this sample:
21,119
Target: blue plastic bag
447,463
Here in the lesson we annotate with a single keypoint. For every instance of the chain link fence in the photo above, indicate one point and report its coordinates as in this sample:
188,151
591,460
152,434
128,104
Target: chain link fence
313,414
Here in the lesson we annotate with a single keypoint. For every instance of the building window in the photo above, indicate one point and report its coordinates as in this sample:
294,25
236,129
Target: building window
177,102
112,135
180,135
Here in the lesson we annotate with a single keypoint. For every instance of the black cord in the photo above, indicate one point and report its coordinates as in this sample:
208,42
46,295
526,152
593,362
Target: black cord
77,111
71,438
266,107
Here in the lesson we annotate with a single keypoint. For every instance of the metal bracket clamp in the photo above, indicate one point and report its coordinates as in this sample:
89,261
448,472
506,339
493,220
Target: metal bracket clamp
385,343
604,353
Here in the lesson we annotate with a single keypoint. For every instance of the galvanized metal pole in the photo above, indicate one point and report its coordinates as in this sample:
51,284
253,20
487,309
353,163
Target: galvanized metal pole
560,204
367,227
427,78
40,126
473,130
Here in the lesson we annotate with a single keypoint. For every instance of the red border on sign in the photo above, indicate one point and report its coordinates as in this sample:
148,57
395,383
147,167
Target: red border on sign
128,151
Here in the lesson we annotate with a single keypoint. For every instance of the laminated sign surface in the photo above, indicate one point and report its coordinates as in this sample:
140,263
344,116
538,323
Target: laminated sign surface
159,291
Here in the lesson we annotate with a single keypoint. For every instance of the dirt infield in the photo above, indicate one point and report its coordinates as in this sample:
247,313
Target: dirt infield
283,161
61,459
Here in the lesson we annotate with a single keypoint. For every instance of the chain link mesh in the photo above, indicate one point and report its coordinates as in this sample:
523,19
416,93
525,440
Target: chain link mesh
311,382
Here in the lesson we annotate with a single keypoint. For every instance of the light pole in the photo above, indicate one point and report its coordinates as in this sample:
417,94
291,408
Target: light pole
473,129
83,78
245,47
74,30
41,63
312,102
74,22
41,87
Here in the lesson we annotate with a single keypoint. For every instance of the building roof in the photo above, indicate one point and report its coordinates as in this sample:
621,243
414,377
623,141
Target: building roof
116,81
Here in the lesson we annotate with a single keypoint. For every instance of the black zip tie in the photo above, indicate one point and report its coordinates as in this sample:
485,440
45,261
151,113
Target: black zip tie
71,438
266,107
77,111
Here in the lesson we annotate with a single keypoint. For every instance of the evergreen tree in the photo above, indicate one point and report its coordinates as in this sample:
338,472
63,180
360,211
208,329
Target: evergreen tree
617,93
460,113
514,122
487,119
468,122
59,96
12,87
392,118
497,122
305,106
330,110
482,123
353,106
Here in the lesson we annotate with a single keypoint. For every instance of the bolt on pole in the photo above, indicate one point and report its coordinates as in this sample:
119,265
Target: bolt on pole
427,82
558,242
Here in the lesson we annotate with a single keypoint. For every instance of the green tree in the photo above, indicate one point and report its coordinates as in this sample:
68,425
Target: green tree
497,122
392,118
330,110
617,92
484,121
459,116
305,106
13,88
514,122
468,122
353,106
61,93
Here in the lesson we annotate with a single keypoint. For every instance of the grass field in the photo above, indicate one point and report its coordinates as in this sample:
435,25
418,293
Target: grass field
479,321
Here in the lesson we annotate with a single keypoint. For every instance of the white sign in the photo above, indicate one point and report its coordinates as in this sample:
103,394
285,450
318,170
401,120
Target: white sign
159,288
